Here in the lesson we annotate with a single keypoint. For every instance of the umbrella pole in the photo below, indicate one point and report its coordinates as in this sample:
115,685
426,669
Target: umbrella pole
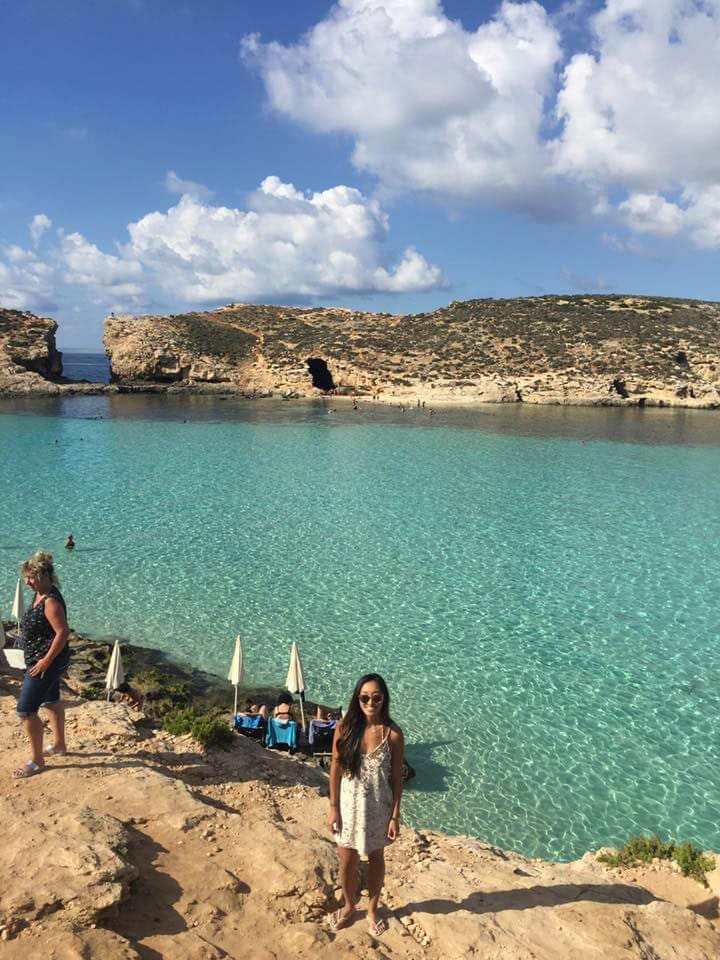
302,710
235,706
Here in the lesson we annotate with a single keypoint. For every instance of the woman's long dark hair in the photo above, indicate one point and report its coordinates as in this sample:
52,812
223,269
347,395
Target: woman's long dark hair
353,725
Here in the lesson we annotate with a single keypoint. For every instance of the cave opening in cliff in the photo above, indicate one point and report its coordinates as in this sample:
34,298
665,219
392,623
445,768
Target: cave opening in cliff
321,376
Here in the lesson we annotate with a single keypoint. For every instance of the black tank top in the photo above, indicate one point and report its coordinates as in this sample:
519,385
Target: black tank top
37,631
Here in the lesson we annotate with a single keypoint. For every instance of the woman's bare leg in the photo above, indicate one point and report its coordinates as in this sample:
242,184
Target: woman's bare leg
376,878
34,732
349,878
56,722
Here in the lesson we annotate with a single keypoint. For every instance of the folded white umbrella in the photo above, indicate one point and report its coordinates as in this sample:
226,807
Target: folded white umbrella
295,680
18,607
116,675
236,676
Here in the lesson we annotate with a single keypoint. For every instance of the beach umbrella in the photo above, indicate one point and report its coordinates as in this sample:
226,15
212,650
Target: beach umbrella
237,670
295,680
116,675
18,607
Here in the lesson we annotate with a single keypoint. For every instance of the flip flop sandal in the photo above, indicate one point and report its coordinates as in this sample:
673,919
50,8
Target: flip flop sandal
52,752
340,920
378,928
28,769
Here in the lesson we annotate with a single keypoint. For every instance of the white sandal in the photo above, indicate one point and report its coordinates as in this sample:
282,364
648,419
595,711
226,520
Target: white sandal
28,769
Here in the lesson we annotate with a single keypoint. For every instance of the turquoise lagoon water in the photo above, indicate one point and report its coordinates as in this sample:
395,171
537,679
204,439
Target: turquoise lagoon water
539,587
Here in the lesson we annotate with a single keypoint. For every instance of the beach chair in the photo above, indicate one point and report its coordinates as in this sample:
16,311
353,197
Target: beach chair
12,658
321,734
250,725
281,734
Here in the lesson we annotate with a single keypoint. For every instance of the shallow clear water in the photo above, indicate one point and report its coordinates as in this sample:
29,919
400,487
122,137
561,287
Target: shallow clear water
541,597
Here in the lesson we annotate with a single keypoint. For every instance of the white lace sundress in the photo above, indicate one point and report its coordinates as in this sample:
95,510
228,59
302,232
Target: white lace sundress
366,802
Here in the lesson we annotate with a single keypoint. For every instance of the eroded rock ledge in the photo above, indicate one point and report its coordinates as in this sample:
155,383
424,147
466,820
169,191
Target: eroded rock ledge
137,844
30,363
600,350
28,355
587,350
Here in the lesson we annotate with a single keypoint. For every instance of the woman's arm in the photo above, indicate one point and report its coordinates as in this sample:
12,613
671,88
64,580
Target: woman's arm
56,618
397,747
334,821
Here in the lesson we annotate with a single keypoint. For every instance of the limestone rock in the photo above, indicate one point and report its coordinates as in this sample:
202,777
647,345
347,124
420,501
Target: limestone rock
60,860
242,865
30,363
608,350
594,350
66,945
28,355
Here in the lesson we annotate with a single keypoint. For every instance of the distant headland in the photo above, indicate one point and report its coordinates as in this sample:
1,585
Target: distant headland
609,350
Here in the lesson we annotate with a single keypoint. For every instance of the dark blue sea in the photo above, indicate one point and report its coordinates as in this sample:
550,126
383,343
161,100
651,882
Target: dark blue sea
86,366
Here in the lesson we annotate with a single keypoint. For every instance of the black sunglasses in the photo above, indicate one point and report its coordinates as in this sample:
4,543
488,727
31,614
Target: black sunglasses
375,697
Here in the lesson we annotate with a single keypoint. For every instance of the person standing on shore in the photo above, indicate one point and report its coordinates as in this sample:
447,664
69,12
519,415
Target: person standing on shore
45,632
365,790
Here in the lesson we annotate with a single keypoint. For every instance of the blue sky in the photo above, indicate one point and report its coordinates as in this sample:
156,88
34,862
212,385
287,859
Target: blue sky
437,151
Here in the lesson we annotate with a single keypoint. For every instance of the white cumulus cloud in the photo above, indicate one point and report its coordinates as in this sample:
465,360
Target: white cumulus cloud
176,184
430,106
26,282
651,213
107,276
39,224
508,116
286,244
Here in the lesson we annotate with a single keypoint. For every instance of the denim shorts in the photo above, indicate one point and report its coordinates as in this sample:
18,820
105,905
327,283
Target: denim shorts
37,691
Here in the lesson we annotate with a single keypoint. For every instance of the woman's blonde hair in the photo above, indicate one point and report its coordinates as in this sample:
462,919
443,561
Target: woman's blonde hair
40,564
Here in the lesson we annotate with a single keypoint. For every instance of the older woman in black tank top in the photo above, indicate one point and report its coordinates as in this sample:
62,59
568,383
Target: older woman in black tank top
45,632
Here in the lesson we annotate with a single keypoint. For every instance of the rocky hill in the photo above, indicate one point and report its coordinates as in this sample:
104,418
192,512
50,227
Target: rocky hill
28,355
584,349
30,363
139,845
596,350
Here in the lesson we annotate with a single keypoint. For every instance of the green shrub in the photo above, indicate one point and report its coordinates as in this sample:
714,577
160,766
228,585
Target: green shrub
179,720
147,677
689,858
692,861
177,690
211,731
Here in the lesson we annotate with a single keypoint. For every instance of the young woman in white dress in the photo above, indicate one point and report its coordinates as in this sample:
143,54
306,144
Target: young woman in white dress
365,790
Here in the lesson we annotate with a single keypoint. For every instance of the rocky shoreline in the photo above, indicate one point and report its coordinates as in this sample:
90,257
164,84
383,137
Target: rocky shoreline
611,350
144,845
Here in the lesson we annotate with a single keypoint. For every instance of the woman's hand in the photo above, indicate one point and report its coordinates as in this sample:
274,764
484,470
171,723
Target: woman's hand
334,822
393,829
39,668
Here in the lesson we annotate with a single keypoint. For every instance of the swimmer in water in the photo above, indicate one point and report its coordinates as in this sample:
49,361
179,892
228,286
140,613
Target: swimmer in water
69,543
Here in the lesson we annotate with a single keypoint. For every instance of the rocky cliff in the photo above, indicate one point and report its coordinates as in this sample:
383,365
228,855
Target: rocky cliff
586,349
596,350
137,845
28,355
30,363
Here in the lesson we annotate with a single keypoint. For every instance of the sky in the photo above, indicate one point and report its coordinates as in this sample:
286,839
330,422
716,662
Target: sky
159,156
